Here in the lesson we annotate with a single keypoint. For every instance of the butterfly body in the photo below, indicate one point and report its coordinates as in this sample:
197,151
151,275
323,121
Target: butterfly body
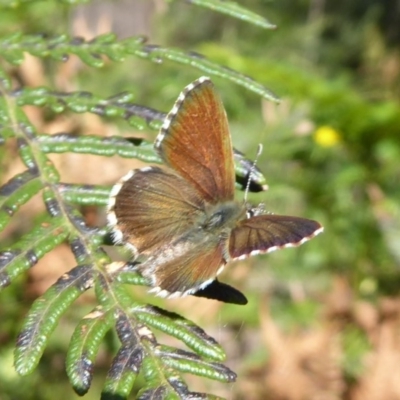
224,215
183,220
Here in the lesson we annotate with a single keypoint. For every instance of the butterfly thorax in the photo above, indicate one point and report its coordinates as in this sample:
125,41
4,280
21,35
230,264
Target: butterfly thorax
224,215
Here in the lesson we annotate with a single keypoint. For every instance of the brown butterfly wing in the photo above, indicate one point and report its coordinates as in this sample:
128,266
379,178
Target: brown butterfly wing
195,141
152,206
185,266
266,233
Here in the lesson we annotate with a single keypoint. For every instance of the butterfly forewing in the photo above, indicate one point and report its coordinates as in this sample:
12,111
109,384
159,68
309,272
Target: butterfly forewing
153,206
266,233
195,141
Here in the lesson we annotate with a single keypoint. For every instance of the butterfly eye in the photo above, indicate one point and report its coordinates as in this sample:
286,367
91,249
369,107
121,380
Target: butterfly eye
217,219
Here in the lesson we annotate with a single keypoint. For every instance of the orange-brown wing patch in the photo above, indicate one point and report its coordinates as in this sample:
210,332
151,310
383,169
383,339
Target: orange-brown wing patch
195,141
152,206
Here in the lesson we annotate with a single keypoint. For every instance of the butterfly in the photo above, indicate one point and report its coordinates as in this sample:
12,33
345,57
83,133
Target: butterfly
182,221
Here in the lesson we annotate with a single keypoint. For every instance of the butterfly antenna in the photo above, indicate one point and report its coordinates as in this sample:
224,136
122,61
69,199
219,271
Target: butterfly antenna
251,173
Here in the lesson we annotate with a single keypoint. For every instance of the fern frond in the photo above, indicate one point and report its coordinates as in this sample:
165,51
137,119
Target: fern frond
45,314
13,47
138,149
63,222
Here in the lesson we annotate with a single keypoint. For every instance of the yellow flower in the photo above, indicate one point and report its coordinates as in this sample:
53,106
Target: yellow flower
326,136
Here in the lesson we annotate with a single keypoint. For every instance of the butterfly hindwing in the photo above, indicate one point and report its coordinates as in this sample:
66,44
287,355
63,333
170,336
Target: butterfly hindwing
186,265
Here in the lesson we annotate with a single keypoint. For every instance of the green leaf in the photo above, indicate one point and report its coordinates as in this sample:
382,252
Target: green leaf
16,192
128,360
236,11
158,54
84,346
176,326
85,194
187,362
45,314
25,253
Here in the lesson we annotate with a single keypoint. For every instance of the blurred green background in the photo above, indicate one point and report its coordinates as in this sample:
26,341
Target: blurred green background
331,153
